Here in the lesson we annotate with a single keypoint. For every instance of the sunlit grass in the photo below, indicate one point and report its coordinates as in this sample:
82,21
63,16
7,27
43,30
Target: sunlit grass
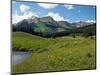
62,53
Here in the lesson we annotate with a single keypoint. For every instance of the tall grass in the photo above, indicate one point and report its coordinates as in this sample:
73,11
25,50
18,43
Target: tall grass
59,54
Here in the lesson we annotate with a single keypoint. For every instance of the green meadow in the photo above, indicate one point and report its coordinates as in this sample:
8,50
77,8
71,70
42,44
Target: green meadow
54,54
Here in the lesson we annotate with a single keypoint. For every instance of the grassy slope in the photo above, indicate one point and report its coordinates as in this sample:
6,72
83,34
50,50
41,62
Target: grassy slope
63,53
42,27
25,41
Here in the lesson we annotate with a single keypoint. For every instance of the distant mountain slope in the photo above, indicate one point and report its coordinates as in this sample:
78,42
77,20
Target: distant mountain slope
44,24
48,20
64,24
81,24
47,26
87,30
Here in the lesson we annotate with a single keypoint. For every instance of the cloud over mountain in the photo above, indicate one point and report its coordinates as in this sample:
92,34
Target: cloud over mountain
56,16
92,21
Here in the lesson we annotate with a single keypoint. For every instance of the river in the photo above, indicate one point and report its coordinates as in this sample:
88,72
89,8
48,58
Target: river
19,56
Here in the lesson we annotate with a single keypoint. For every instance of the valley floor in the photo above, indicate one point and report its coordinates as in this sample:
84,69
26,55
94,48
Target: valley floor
54,54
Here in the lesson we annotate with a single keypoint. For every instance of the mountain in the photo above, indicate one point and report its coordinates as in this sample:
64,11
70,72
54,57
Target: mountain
44,24
48,20
47,26
64,24
87,30
81,24
33,19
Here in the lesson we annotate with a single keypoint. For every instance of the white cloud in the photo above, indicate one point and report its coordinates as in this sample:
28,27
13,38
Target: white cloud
24,8
91,21
17,18
47,5
67,20
56,16
27,13
69,7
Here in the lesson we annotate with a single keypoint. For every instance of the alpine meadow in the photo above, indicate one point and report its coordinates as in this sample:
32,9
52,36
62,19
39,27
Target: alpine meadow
49,37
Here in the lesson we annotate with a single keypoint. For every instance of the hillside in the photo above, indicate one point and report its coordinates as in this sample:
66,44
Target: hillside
87,30
62,53
26,42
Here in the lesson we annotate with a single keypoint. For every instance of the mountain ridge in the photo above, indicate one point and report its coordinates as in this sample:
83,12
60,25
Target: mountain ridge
47,26
51,21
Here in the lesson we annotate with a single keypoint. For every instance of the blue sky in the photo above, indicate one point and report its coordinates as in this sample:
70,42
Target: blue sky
70,13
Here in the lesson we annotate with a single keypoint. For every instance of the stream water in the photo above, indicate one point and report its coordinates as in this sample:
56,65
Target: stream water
19,56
